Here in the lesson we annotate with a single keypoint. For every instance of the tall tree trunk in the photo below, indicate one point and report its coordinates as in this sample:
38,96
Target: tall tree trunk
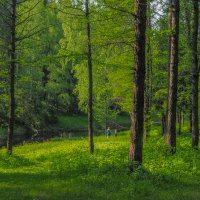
12,78
189,44
137,118
45,71
163,121
190,120
148,81
195,77
179,114
90,80
169,55
173,76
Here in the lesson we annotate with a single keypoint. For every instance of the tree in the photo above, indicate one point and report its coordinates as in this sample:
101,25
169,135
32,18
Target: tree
137,118
195,77
90,78
148,78
173,75
17,17
80,52
42,84
12,66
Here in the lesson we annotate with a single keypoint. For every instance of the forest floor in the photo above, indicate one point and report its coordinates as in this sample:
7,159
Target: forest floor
64,170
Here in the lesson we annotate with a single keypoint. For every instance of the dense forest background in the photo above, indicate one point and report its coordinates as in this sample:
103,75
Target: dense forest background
44,63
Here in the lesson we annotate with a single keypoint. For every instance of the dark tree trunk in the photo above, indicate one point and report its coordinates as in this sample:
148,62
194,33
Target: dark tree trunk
12,78
137,118
148,81
45,71
173,76
195,77
190,120
90,80
164,126
169,55
45,77
45,80
189,44
179,122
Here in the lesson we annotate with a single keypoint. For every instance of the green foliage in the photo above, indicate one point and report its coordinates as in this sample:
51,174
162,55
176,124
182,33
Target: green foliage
110,56
51,67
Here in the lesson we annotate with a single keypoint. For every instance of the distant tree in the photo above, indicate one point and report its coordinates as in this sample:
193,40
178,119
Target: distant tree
195,76
173,75
16,18
165,116
148,79
90,77
137,118
12,66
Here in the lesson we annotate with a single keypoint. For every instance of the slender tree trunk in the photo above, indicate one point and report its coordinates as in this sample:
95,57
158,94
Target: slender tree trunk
169,55
173,76
148,83
189,44
12,78
190,120
163,120
195,77
179,122
137,118
90,79
45,71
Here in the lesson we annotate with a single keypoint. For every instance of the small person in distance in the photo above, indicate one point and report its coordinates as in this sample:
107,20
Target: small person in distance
108,132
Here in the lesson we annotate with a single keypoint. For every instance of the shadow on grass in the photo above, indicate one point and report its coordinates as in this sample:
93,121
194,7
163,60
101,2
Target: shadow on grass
140,185
14,161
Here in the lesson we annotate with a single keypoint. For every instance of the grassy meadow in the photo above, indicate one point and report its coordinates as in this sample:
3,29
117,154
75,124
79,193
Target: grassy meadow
78,122
64,170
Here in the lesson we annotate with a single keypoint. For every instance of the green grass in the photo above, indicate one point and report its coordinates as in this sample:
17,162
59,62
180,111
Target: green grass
72,122
63,170
77,122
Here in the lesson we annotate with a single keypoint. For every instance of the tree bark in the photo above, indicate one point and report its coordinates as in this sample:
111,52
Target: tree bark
148,81
137,118
173,76
179,114
169,55
12,66
189,44
90,80
163,120
195,77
